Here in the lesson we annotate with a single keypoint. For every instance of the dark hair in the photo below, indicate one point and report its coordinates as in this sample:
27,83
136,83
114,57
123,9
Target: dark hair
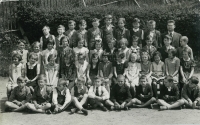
64,37
169,78
72,22
50,41
148,38
121,55
173,51
69,56
122,19
134,37
136,20
51,56
42,77
168,37
82,22
171,21
21,79
22,41
106,54
17,55
143,77
81,56
194,80
157,53
61,26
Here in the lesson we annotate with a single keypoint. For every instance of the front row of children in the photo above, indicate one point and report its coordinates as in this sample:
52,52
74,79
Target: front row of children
46,99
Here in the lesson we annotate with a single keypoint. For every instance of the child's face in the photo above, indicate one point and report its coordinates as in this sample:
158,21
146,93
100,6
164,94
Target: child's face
65,43
167,42
95,24
134,43
41,83
97,82
21,46
144,58
79,83
49,46
94,60
60,87
123,45
71,26
191,85
36,49
60,31
121,24
185,55
15,60
83,26
105,59
133,58
182,42
143,82
80,44
167,83
149,42
21,83
152,26
45,31
108,21
120,81
157,58
119,59
170,27
98,46
170,55
110,45
81,60
32,60
136,25
52,61
66,60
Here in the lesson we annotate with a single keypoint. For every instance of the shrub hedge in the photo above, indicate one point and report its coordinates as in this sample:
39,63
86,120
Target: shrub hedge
187,17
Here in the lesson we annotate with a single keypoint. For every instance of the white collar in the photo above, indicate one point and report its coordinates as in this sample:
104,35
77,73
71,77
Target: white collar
121,62
187,59
31,65
135,30
19,65
47,36
171,32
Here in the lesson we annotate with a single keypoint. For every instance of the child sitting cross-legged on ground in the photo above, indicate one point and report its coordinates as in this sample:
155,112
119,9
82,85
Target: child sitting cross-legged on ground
19,96
98,95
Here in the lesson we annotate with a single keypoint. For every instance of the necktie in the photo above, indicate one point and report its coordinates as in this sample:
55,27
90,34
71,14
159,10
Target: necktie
97,92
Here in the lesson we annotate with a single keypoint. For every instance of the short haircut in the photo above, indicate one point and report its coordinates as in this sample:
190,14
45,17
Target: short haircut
121,55
42,77
95,56
168,37
61,27
17,55
173,51
81,78
135,38
81,56
108,16
82,22
106,55
194,80
185,39
64,38
133,54
145,53
62,81
123,40
46,27
33,55
21,79
122,19
120,76
36,43
169,78
95,20
136,20
149,38
143,77
51,56
22,41
71,22
50,41
157,53
171,21
152,22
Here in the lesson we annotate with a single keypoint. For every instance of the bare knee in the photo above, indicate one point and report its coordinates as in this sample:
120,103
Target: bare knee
153,99
7,104
85,95
48,105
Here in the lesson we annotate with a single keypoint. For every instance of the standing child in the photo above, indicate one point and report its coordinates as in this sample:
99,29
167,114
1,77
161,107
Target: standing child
36,49
60,30
83,32
106,71
51,71
121,32
124,49
80,95
98,95
61,97
46,37
120,94
135,48
93,32
41,97
94,65
172,65
71,34
16,69
98,48
137,31
19,96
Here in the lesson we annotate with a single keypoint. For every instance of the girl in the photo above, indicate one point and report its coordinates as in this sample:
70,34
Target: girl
60,30
112,50
132,71
16,69
71,33
172,65
94,64
121,32
98,48
32,70
68,71
146,66
124,49
135,48
51,71
36,49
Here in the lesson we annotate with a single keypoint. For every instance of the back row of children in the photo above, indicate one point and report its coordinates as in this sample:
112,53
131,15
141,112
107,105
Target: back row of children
107,52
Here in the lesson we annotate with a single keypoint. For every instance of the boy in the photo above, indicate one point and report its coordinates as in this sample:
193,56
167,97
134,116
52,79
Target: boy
19,96
98,95
47,36
79,95
137,32
175,36
71,34
41,97
83,32
120,94
61,97
60,30
155,34
184,42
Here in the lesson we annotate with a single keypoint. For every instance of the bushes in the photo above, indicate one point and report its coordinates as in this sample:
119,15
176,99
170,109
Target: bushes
187,19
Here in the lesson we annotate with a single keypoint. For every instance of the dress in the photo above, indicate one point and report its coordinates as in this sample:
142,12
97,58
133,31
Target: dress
126,52
82,50
82,69
158,69
51,70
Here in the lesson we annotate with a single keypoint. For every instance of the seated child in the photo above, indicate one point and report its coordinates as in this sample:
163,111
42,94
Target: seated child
98,95
94,65
120,94
124,49
61,97
79,95
41,99
135,48
19,96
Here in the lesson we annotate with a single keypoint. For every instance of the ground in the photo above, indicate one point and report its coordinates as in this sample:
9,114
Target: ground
133,116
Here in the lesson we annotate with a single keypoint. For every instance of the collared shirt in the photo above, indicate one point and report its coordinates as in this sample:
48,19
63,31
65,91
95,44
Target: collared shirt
19,94
171,33
101,91
65,92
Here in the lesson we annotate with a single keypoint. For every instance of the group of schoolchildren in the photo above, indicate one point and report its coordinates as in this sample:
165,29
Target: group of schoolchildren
110,67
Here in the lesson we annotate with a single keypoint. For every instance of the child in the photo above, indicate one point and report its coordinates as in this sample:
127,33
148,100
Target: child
106,70
186,68
184,41
19,96
149,47
132,71
172,65
32,70
16,69
51,71
21,50
165,49
121,32
41,97
93,32
80,48
60,30
71,34
107,30
61,97
80,95
135,48
124,49
98,95
120,94
137,31
146,66
112,50
94,65
68,71
83,32
143,93
47,36
98,49
36,49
